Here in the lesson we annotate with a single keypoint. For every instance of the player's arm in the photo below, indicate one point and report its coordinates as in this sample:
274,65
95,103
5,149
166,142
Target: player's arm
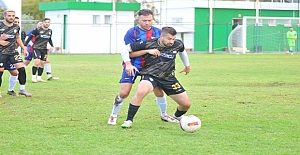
130,69
30,37
3,41
51,44
154,52
185,60
20,43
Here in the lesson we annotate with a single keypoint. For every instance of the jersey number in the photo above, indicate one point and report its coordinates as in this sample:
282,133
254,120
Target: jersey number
176,86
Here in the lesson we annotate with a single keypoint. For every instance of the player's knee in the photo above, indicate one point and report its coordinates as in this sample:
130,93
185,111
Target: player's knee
158,92
124,93
14,72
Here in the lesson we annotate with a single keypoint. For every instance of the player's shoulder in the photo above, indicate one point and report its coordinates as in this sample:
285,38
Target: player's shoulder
178,41
155,28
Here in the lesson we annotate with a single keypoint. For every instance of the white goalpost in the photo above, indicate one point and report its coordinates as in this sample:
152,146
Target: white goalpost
261,34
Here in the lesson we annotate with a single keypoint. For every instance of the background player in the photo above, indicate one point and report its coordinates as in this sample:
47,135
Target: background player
27,60
291,37
40,51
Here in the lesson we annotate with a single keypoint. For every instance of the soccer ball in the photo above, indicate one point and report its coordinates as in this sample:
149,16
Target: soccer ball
190,123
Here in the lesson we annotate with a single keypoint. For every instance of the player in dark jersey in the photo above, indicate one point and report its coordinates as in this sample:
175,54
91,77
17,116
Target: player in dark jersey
158,71
144,31
10,33
40,51
27,60
13,77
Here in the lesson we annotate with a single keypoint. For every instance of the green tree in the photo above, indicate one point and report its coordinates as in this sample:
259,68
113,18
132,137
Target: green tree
31,8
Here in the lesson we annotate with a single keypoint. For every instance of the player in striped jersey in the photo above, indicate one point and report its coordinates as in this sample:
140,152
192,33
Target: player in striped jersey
158,71
40,51
10,35
144,31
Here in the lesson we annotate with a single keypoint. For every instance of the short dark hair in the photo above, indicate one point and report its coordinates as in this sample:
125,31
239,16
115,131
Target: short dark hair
145,12
45,19
17,18
168,30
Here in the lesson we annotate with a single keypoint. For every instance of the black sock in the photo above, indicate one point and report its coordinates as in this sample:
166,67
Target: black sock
179,113
132,110
40,71
1,73
34,69
22,76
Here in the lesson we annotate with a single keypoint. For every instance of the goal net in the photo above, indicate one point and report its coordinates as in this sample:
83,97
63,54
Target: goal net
261,35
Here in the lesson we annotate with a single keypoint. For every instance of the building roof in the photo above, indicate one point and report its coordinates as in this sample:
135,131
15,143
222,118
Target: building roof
88,6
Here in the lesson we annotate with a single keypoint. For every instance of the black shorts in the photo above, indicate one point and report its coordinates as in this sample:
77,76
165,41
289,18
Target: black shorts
170,86
13,58
41,54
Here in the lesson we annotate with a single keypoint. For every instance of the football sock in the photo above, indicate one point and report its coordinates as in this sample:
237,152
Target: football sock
132,110
34,69
12,82
179,113
1,73
47,67
40,71
22,76
116,108
162,104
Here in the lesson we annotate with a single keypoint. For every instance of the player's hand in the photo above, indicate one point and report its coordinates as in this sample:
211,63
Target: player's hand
25,51
187,70
50,49
3,36
3,43
295,38
130,69
154,52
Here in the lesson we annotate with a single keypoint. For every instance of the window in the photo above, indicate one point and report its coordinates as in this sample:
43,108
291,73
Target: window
287,22
259,22
272,22
177,20
96,19
107,19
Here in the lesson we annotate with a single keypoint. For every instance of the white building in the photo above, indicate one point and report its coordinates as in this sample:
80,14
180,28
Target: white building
203,25
85,27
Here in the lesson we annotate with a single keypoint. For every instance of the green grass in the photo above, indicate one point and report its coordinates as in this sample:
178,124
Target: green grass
248,104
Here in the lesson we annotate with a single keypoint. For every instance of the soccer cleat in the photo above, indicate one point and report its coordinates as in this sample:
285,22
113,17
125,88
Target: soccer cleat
12,93
0,95
292,54
53,78
116,101
127,124
41,80
24,92
168,118
178,118
34,80
112,120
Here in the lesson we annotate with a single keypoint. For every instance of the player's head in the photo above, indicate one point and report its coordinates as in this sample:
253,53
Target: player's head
17,20
291,29
9,16
46,22
145,18
168,35
39,24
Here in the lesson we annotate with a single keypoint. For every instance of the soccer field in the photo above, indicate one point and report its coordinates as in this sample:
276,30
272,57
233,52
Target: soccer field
248,104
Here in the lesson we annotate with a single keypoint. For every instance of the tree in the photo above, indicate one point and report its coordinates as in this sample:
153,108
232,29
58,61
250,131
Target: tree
31,8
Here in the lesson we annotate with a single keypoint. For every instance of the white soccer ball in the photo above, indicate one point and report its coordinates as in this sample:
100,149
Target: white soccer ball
190,123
